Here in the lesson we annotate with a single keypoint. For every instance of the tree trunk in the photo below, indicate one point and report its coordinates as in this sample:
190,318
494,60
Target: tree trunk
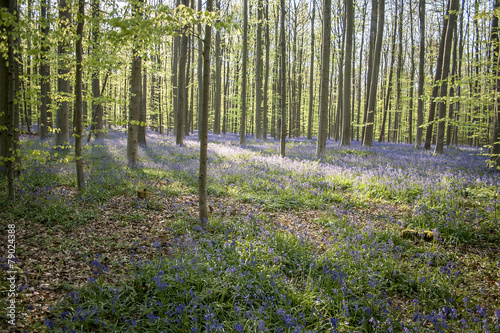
63,81
283,78
141,131
371,50
266,79
421,77
324,83
97,118
311,77
181,89
135,96
258,74
44,71
398,112
244,74
495,55
203,196
79,96
346,126
452,14
218,79
372,101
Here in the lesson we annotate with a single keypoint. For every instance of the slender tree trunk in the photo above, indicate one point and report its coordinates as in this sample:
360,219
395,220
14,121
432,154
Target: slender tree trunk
218,79
97,118
346,117
266,79
283,78
453,8
181,89
311,77
371,50
203,196
397,115
421,76
141,131
79,96
244,74
412,79
389,86
324,83
359,71
63,80
258,73
451,105
495,57
370,118
44,71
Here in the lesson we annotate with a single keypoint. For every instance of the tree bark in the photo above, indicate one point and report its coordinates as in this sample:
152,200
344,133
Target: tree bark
98,123
203,197
266,79
324,83
79,96
283,78
453,7
346,117
135,97
258,73
218,79
244,74
421,77
372,101
495,55
63,82
44,71
311,77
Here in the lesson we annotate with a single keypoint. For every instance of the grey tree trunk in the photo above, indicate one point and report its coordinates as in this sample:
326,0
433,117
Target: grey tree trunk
135,97
141,131
371,50
97,118
453,7
346,127
203,196
79,96
495,138
44,71
63,80
244,74
258,74
311,77
421,76
266,79
181,89
372,101
218,79
324,83
283,78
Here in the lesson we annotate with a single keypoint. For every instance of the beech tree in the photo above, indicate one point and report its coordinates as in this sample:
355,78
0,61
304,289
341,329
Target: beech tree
79,95
324,83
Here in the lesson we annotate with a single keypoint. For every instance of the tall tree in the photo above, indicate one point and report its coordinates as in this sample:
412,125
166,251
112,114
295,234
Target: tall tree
63,80
311,76
203,196
181,88
266,79
79,95
421,76
218,79
283,78
44,70
372,99
258,74
324,81
495,57
97,109
135,94
346,126
453,8
244,74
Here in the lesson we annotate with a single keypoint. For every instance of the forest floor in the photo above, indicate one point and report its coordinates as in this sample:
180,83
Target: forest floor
337,234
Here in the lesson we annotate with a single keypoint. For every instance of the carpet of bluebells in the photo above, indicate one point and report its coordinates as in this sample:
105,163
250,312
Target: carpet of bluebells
248,273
